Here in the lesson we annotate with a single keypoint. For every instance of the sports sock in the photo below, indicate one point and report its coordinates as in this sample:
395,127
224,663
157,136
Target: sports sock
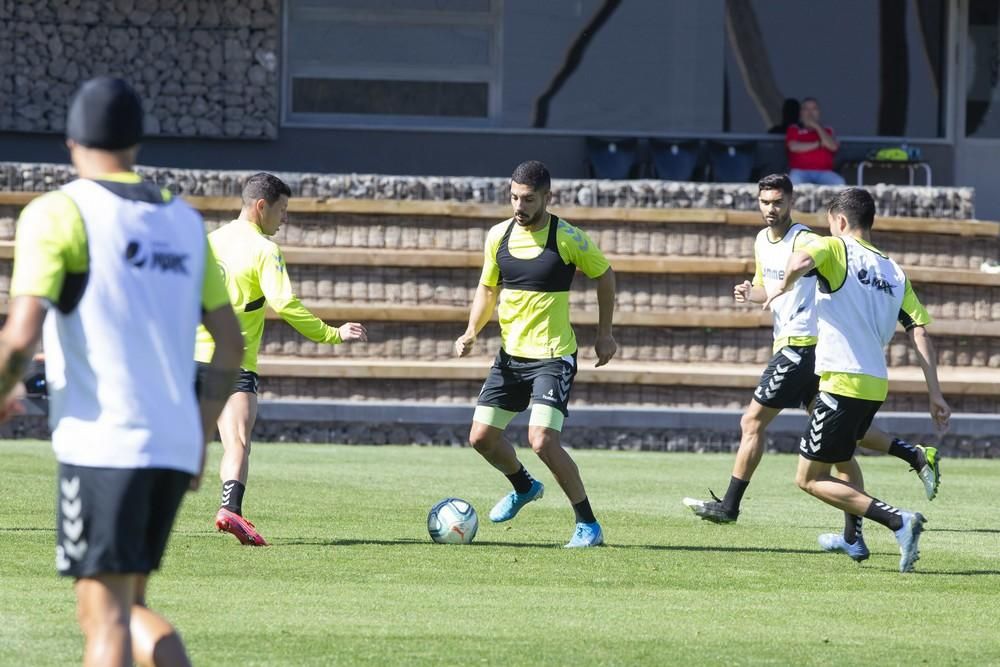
521,480
583,512
852,527
734,495
232,496
901,449
885,514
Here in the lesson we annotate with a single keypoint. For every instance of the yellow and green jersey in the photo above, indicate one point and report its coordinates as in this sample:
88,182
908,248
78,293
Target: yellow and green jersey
254,273
861,296
535,270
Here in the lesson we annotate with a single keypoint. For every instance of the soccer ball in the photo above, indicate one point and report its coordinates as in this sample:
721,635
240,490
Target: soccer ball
452,521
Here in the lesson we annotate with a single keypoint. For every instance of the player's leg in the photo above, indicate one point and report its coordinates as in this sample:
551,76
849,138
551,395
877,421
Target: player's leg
503,395
851,541
923,459
103,608
788,381
831,437
235,428
544,437
154,639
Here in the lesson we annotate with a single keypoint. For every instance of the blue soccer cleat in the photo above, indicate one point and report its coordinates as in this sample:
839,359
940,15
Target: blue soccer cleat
511,504
835,542
586,535
908,536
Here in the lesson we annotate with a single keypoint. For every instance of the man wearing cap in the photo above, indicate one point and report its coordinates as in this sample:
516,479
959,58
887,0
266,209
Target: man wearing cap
121,274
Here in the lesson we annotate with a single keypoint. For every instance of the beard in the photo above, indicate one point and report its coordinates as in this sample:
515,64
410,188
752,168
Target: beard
530,222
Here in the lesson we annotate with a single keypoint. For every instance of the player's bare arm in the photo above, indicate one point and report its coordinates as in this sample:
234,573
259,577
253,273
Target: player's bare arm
605,347
17,343
799,264
483,304
927,357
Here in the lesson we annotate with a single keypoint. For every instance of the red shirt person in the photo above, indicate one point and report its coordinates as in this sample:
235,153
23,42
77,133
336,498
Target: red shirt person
811,148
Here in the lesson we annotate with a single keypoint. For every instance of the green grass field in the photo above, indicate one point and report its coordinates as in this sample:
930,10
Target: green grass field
352,577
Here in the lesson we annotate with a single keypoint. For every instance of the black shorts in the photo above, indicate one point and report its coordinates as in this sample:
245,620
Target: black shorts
516,382
115,520
790,380
835,426
246,381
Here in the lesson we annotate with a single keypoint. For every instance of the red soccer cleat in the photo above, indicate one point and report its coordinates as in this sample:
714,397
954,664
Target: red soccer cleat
231,522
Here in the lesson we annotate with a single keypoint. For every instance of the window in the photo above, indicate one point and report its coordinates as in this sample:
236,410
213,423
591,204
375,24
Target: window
386,61
982,88
877,68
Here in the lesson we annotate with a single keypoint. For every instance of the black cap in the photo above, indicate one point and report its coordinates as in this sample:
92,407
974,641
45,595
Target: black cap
105,113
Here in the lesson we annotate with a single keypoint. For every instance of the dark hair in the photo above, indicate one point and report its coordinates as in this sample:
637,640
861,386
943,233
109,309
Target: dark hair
789,113
856,205
533,174
264,186
776,182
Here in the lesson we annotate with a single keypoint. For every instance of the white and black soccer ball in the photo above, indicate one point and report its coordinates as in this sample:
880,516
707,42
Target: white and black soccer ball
452,521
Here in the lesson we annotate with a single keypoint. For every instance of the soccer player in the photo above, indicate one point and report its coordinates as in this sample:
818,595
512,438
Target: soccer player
530,262
790,381
255,275
121,274
861,295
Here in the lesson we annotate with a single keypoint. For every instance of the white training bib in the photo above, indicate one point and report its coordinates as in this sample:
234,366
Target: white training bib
120,365
858,320
794,312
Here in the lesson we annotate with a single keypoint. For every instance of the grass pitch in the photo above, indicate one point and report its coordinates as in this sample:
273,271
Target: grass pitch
353,579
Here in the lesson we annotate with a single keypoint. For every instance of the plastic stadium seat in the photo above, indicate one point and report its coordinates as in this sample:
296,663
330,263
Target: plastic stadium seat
675,160
612,158
771,159
731,163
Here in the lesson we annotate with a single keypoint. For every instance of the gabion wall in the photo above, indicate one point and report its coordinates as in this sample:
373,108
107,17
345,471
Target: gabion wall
204,68
918,202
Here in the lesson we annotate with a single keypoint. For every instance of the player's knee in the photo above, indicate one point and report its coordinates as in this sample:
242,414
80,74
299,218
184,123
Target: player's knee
99,621
542,440
479,438
751,424
804,482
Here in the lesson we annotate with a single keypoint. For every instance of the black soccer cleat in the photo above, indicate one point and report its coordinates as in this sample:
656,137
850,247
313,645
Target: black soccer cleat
711,510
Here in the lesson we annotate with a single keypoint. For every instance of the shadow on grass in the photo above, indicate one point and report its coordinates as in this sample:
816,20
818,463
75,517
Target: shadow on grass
957,573
993,531
18,529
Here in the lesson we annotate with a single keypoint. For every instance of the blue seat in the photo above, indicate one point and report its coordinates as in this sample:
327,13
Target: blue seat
615,159
731,162
675,160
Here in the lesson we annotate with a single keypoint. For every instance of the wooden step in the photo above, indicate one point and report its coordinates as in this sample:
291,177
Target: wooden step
957,381
497,212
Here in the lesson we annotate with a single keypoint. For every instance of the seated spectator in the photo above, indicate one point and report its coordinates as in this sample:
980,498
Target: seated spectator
789,116
811,148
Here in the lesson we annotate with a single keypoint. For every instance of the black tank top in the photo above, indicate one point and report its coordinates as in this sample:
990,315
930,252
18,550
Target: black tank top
545,273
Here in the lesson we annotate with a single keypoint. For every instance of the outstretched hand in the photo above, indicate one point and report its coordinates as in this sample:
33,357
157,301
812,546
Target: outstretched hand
940,413
12,406
464,343
353,331
741,292
606,348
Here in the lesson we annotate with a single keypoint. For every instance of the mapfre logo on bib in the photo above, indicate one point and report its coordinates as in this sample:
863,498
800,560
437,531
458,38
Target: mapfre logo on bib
156,256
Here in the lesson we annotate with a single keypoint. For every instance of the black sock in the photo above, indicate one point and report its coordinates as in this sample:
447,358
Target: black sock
734,495
885,514
852,528
583,512
901,449
232,496
521,480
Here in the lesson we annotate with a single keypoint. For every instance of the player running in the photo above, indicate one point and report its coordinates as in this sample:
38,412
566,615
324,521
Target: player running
530,262
254,272
861,295
121,274
789,381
